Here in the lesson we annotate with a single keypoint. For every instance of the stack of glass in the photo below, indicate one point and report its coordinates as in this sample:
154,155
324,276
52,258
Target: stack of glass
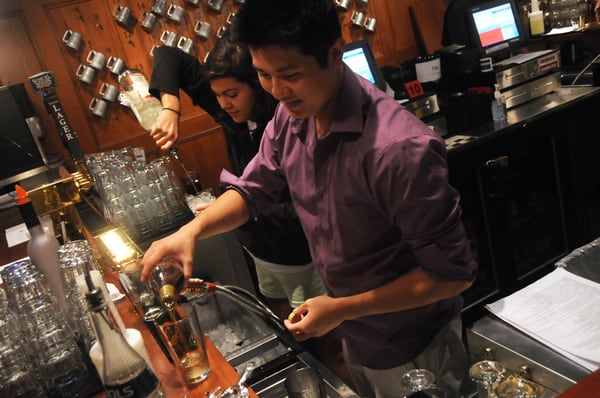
566,13
18,377
145,199
74,258
45,335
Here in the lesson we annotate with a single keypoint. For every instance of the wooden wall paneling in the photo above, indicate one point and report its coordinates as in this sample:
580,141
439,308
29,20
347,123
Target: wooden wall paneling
20,58
94,20
428,20
36,28
397,39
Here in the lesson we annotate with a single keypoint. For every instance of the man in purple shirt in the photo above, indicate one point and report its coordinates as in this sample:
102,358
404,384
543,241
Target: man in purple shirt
369,182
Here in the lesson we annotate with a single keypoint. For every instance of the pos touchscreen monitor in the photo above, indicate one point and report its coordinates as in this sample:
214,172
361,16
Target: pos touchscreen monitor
359,57
496,28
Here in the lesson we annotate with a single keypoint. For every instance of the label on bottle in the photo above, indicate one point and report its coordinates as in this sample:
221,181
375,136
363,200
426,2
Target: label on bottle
142,386
139,84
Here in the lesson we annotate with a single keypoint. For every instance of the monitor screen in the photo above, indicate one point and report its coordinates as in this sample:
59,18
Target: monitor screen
497,27
359,57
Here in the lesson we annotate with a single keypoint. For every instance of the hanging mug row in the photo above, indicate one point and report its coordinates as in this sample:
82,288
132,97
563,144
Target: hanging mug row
108,93
96,62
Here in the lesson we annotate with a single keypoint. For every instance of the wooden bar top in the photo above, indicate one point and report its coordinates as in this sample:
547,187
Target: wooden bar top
222,373
586,388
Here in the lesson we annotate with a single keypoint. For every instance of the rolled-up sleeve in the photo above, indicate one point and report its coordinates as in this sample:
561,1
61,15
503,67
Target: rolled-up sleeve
426,208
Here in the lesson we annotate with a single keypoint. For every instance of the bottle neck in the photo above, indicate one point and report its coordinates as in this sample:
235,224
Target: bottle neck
29,215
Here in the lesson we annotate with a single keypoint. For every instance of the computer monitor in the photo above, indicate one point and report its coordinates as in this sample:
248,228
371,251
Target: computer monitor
359,57
496,28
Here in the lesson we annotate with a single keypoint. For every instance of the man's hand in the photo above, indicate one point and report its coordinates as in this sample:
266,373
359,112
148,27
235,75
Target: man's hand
319,316
179,245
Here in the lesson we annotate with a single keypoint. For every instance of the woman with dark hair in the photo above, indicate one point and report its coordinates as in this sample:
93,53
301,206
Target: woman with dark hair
227,87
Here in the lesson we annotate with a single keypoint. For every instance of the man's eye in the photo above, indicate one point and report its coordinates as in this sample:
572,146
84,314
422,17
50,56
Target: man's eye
291,77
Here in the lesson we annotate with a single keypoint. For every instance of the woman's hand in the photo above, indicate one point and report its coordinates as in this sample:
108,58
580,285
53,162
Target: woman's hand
166,129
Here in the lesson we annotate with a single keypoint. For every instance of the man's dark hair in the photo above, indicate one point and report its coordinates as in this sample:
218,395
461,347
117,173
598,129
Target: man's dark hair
310,25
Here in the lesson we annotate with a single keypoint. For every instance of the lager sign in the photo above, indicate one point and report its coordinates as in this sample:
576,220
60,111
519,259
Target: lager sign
42,81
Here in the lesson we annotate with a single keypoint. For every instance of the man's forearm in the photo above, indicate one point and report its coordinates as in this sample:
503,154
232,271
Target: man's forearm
228,212
412,290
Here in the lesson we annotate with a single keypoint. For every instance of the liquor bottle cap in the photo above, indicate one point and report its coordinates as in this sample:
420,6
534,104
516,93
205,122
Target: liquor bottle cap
22,196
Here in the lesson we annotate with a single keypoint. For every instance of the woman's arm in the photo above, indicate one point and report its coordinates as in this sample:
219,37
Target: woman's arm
166,128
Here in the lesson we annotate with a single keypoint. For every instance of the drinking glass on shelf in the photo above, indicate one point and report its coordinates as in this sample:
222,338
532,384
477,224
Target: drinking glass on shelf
488,374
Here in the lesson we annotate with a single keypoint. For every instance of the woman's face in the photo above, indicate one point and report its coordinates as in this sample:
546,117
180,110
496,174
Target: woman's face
234,97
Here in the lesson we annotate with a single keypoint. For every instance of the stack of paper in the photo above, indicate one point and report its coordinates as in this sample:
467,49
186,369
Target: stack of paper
562,311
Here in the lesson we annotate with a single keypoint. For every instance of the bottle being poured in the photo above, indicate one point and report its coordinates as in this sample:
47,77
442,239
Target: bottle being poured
167,281
136,95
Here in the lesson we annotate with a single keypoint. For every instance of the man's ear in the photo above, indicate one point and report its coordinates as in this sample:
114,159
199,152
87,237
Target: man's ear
337,51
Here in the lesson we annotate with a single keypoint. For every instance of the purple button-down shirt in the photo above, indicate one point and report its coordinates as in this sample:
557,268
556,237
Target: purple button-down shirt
374,201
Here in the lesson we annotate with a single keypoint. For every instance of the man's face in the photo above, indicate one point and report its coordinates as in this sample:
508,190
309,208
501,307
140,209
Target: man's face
236,98
295,79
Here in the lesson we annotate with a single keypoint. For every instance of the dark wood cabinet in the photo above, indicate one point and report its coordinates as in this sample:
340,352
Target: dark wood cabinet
530,194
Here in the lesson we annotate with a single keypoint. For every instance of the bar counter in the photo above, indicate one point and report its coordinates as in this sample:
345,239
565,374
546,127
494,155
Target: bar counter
222,373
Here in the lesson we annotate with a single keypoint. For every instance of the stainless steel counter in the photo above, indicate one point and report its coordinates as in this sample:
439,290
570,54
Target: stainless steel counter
552,101
514,349
243,336
523,115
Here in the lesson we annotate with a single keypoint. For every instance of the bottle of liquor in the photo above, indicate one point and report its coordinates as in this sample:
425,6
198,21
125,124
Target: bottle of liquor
167,281
42,248
136,95
125,373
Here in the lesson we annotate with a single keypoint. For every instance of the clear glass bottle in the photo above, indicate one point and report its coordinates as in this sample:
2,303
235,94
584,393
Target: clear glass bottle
167,281
498,105
135,94
125,372
42,248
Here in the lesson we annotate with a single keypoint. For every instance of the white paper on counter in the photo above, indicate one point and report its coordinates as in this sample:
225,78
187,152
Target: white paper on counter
561,310
17,234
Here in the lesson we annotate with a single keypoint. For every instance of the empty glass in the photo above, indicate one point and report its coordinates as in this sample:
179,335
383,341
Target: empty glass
145,200
421,383
18,377
45,334
488,374
516,387
74,258
305,383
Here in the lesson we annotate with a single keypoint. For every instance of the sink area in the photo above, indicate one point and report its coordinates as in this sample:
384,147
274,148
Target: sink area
243,336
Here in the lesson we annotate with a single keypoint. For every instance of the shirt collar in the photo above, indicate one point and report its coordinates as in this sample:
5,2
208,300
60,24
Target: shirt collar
349,116
348,111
